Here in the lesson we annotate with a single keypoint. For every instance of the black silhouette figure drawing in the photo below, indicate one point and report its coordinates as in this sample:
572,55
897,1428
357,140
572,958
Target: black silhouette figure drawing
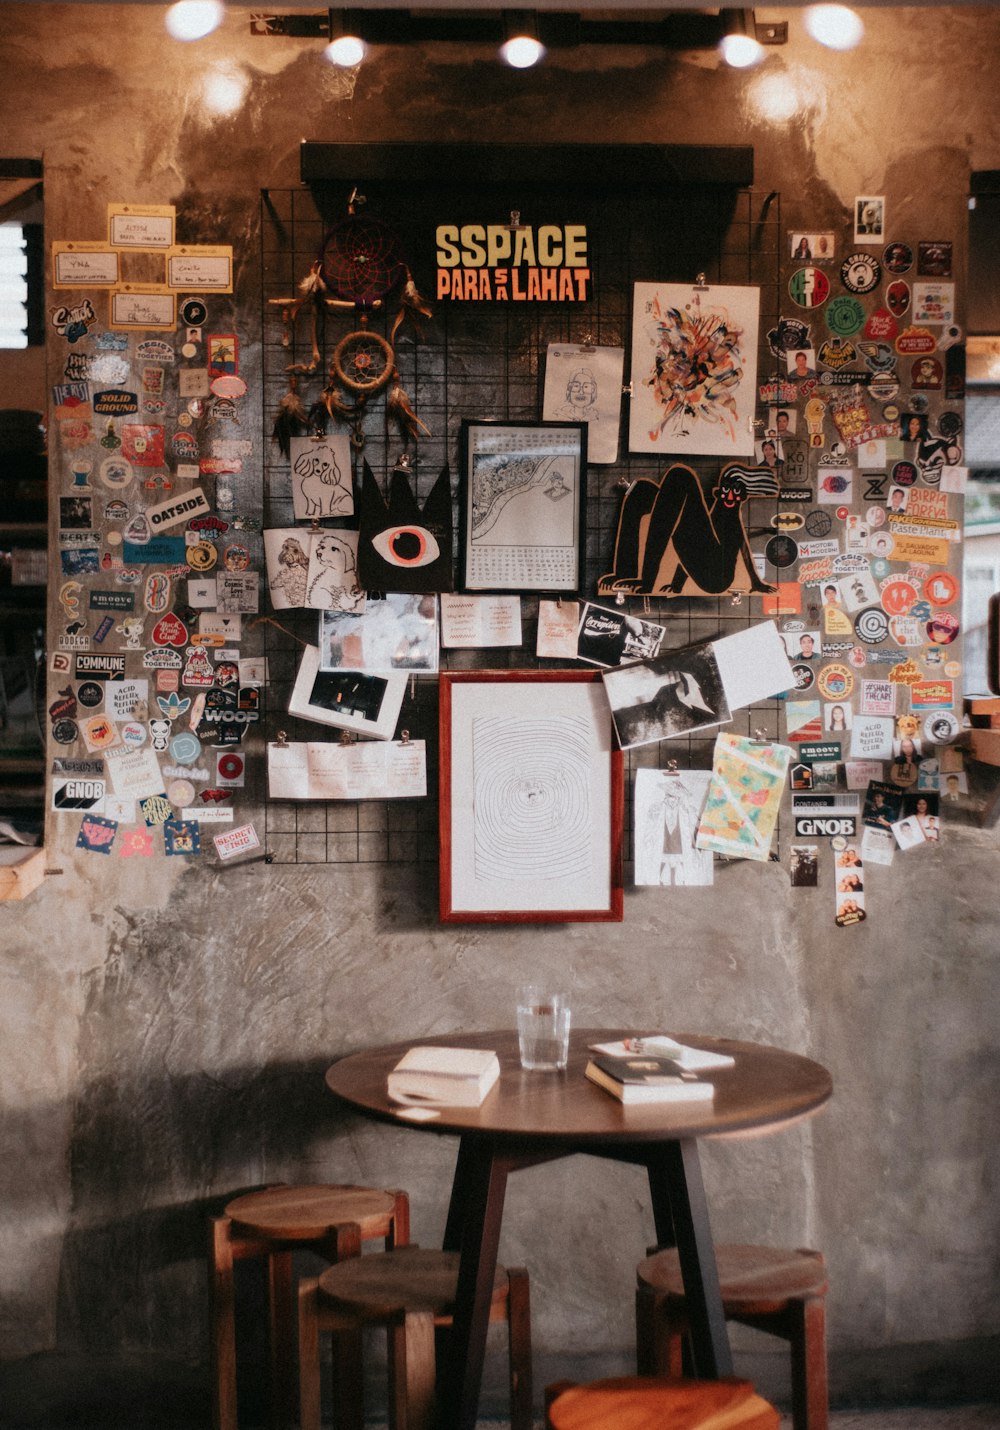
671,541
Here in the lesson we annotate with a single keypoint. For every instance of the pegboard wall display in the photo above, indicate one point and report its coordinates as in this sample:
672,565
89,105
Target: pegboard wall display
777,454
478,358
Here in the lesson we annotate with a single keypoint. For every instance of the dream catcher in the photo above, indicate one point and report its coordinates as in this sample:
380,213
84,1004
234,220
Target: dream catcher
360,269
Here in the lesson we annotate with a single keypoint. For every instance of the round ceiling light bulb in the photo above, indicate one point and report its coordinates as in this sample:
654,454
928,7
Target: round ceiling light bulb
741,51
836,26
346,51
522,51
193,19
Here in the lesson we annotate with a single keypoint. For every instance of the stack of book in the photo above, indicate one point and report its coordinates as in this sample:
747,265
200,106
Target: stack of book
445,1077
644,1077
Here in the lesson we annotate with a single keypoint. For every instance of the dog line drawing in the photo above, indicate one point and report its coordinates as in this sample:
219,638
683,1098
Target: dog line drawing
333,585
321,485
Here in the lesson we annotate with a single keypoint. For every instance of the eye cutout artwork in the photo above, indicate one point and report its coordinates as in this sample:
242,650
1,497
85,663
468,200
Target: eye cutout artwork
403,547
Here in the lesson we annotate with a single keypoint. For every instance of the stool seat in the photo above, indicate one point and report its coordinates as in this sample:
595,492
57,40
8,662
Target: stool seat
771,1289
754,1280
307,1213
410,1292
270,1226
393,1283
660,1403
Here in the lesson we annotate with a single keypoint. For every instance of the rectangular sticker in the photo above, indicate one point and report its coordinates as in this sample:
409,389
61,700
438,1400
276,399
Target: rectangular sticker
84,265
141,225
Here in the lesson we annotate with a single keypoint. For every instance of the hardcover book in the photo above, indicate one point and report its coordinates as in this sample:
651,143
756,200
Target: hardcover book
452,1077
647,1079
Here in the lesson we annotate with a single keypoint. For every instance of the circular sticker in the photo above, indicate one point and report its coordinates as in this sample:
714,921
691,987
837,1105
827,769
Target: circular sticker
781,551
860,273
818,523
890,411
202,556
133,734
194,311
229,385
898,257
100,732
884,386
189,350
236,557
809,287
941,727
942,628
90,694
843,512
839,843
953,669
880,567
185,747
897,297
835,682
845,317
858,657
941,588
875,516
871,625
113,538
116,472
230,766
904,474
64,732
949,424
805,676
180,793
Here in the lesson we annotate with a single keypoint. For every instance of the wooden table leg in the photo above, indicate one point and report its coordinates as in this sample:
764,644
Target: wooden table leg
473,1228
680,1210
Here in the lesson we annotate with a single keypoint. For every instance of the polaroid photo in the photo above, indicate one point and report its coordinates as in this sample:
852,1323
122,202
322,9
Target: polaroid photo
351,700
869,218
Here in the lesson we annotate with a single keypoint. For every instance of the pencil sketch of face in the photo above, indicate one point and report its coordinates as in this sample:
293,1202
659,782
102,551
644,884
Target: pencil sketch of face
581,391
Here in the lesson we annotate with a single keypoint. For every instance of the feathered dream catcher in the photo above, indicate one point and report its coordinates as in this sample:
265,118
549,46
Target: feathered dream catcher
360,269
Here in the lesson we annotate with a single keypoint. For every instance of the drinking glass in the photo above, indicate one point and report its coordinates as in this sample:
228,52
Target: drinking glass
543,1020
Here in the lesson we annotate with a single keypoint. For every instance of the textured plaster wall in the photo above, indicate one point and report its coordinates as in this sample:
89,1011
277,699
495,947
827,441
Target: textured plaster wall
163,1034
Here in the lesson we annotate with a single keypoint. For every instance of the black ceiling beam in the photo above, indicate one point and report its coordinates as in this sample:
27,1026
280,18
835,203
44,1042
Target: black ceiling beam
680,30
612,165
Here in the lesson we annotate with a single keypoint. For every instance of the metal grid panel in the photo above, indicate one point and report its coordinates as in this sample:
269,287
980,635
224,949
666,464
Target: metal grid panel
487,361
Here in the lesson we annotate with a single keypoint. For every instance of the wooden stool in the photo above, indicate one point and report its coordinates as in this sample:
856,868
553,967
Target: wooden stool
773,1290
632,1402
409,1292
330,1220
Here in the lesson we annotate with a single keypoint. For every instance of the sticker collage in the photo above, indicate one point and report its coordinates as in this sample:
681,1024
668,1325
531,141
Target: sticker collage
156,544
834,505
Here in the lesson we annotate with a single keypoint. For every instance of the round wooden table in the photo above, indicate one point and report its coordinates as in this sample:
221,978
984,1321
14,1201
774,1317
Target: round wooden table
534,1117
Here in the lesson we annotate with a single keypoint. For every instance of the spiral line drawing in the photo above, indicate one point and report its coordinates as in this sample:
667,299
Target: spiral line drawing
531,801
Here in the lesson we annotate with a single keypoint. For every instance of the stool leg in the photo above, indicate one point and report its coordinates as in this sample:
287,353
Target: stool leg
659,1335
810,1392
223,1323
281,1310
646,1329
399,1232
519,1348
309,1377
411,1372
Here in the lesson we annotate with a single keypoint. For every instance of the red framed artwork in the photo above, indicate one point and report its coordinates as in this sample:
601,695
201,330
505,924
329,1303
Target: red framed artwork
531,812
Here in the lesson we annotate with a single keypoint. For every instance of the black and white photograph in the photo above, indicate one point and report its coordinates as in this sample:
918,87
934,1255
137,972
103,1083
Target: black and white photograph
673,694
609,637
668,805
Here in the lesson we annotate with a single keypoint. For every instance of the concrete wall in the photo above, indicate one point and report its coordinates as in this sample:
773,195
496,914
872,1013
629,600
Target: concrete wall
163,1034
